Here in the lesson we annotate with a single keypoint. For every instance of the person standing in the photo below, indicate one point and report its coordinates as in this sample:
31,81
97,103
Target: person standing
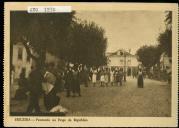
98,75
118,77
112,77
85,76
59,82
76,83
120,74
106,77
140,80
102,77
109,75
94,77
35,86
134,73
69,81
90,74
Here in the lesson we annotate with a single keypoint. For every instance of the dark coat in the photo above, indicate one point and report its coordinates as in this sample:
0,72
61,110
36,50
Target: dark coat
69,79
51,100
35,82
76,82
140,80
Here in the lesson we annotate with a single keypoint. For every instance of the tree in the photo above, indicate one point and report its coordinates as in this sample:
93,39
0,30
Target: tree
168,20
61,35
88,44
149,55
40,32
165,38
165,42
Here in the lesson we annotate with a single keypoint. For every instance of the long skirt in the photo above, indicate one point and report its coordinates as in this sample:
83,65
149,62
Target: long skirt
102,78
140,81
112,78
94,78
106,79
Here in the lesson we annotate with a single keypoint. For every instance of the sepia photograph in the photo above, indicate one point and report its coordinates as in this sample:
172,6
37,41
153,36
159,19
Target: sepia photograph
91,63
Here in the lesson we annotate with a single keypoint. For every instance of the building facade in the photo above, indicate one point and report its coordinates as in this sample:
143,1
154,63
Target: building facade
165,62
124,60
21,60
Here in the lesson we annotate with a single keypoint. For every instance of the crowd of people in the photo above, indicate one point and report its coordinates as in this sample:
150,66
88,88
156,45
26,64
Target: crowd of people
50,80
107,76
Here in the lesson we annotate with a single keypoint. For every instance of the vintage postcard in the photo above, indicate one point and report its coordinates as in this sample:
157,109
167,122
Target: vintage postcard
90,64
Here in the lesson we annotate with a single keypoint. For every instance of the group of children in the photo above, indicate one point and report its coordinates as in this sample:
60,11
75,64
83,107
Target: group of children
107,76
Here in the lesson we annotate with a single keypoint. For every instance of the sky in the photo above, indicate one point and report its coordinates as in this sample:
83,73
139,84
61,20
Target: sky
127,29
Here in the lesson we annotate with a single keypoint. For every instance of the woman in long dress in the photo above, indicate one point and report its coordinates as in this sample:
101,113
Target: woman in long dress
94,77
102,78
112,77
115,76
106,77
140,80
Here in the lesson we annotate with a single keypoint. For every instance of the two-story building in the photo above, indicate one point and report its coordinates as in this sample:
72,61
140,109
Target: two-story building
123,60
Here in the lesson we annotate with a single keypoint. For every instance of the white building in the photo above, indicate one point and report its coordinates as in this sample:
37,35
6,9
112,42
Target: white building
123,59
21,60
165,62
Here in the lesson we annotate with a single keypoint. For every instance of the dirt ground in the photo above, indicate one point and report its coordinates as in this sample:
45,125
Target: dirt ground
154,100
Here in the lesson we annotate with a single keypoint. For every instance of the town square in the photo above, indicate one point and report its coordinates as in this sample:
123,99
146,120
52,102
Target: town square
91,63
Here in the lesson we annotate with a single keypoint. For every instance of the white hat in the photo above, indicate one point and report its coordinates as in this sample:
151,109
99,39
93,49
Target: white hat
71,65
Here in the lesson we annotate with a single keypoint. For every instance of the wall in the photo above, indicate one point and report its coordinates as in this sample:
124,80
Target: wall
23,63
131,61
20,63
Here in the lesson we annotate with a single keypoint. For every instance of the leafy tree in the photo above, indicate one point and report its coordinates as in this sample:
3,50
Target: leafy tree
40,32
148,55
165,38
88,44
165,42
59,34
168,20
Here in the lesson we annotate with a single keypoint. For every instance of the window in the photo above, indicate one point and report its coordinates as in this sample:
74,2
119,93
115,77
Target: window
129,62
20,53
